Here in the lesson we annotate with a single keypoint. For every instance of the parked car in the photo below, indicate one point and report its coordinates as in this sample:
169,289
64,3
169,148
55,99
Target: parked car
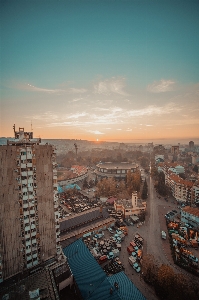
102,259
136,267
110,230
193,258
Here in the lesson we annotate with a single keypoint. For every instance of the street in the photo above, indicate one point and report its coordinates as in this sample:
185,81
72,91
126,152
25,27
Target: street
153,243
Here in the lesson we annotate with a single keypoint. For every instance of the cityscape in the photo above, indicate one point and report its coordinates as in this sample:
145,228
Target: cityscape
99,150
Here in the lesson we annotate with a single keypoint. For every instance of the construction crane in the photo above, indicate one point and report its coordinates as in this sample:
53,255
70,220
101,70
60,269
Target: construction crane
76,148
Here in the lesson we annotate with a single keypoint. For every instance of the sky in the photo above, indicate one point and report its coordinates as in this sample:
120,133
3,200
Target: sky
100,70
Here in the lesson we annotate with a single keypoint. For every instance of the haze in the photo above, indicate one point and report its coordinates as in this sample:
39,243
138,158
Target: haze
100,70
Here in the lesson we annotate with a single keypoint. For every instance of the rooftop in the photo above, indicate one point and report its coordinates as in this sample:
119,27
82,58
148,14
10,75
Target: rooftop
191,210
92,280
121,165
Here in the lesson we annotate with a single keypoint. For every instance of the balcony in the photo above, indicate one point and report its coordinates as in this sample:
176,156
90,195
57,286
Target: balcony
25,205
23,157
24,173
35,262
29,265
28,251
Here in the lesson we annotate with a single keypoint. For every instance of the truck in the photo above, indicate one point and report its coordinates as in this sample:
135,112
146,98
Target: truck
130,249
164,235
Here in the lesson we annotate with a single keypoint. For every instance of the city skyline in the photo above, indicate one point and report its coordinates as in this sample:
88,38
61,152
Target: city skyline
100,70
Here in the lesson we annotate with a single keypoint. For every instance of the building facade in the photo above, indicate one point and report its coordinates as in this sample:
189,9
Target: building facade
115,170
130,207
29,217
190,215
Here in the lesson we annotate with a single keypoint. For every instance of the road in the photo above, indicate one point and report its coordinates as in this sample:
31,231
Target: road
153,230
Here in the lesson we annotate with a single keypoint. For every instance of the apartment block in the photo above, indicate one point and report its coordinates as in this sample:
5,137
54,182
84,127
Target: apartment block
29,217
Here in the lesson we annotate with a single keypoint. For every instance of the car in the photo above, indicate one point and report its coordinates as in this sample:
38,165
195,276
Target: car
110,230
136,267
102,259
134,254
193,258
110,255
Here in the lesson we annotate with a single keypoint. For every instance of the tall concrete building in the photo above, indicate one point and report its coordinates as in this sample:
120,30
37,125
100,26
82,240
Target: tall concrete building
29,217
191,144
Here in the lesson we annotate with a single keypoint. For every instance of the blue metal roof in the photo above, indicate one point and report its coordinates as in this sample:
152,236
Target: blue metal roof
69,186
92,280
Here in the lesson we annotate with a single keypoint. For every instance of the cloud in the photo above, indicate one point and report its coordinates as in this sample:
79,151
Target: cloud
46,116
37,89
154,110
149,125
95,131
161,86
109,86
77,99
32,88
76,115
114,115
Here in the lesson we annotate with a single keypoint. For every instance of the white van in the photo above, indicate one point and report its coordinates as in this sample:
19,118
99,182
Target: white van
164,235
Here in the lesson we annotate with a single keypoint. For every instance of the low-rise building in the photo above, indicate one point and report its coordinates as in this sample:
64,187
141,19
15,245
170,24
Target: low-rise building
130,207
115,170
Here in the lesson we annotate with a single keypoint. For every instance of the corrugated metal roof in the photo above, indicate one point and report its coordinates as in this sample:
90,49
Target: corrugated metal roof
83,218
92,280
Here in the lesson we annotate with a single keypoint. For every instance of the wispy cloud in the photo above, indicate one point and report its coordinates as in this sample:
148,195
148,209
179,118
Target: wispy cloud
112,85
32,88
95,131
161,86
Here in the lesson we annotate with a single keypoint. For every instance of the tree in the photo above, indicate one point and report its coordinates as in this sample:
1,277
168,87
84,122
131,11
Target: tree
144,190
133,181
161,187
149,269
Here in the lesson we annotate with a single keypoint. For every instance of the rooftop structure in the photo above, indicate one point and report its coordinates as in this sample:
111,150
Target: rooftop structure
92,281
130,206
77,225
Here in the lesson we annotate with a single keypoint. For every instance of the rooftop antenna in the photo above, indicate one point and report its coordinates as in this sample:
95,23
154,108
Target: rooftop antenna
31,126
14,128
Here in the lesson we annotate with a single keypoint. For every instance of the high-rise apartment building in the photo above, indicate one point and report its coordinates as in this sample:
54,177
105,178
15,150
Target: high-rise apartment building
191,144
29,217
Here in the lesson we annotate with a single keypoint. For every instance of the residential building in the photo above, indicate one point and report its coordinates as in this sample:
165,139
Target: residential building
190,216
29,217
195,193
76,174
191,145
195,159
175,150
